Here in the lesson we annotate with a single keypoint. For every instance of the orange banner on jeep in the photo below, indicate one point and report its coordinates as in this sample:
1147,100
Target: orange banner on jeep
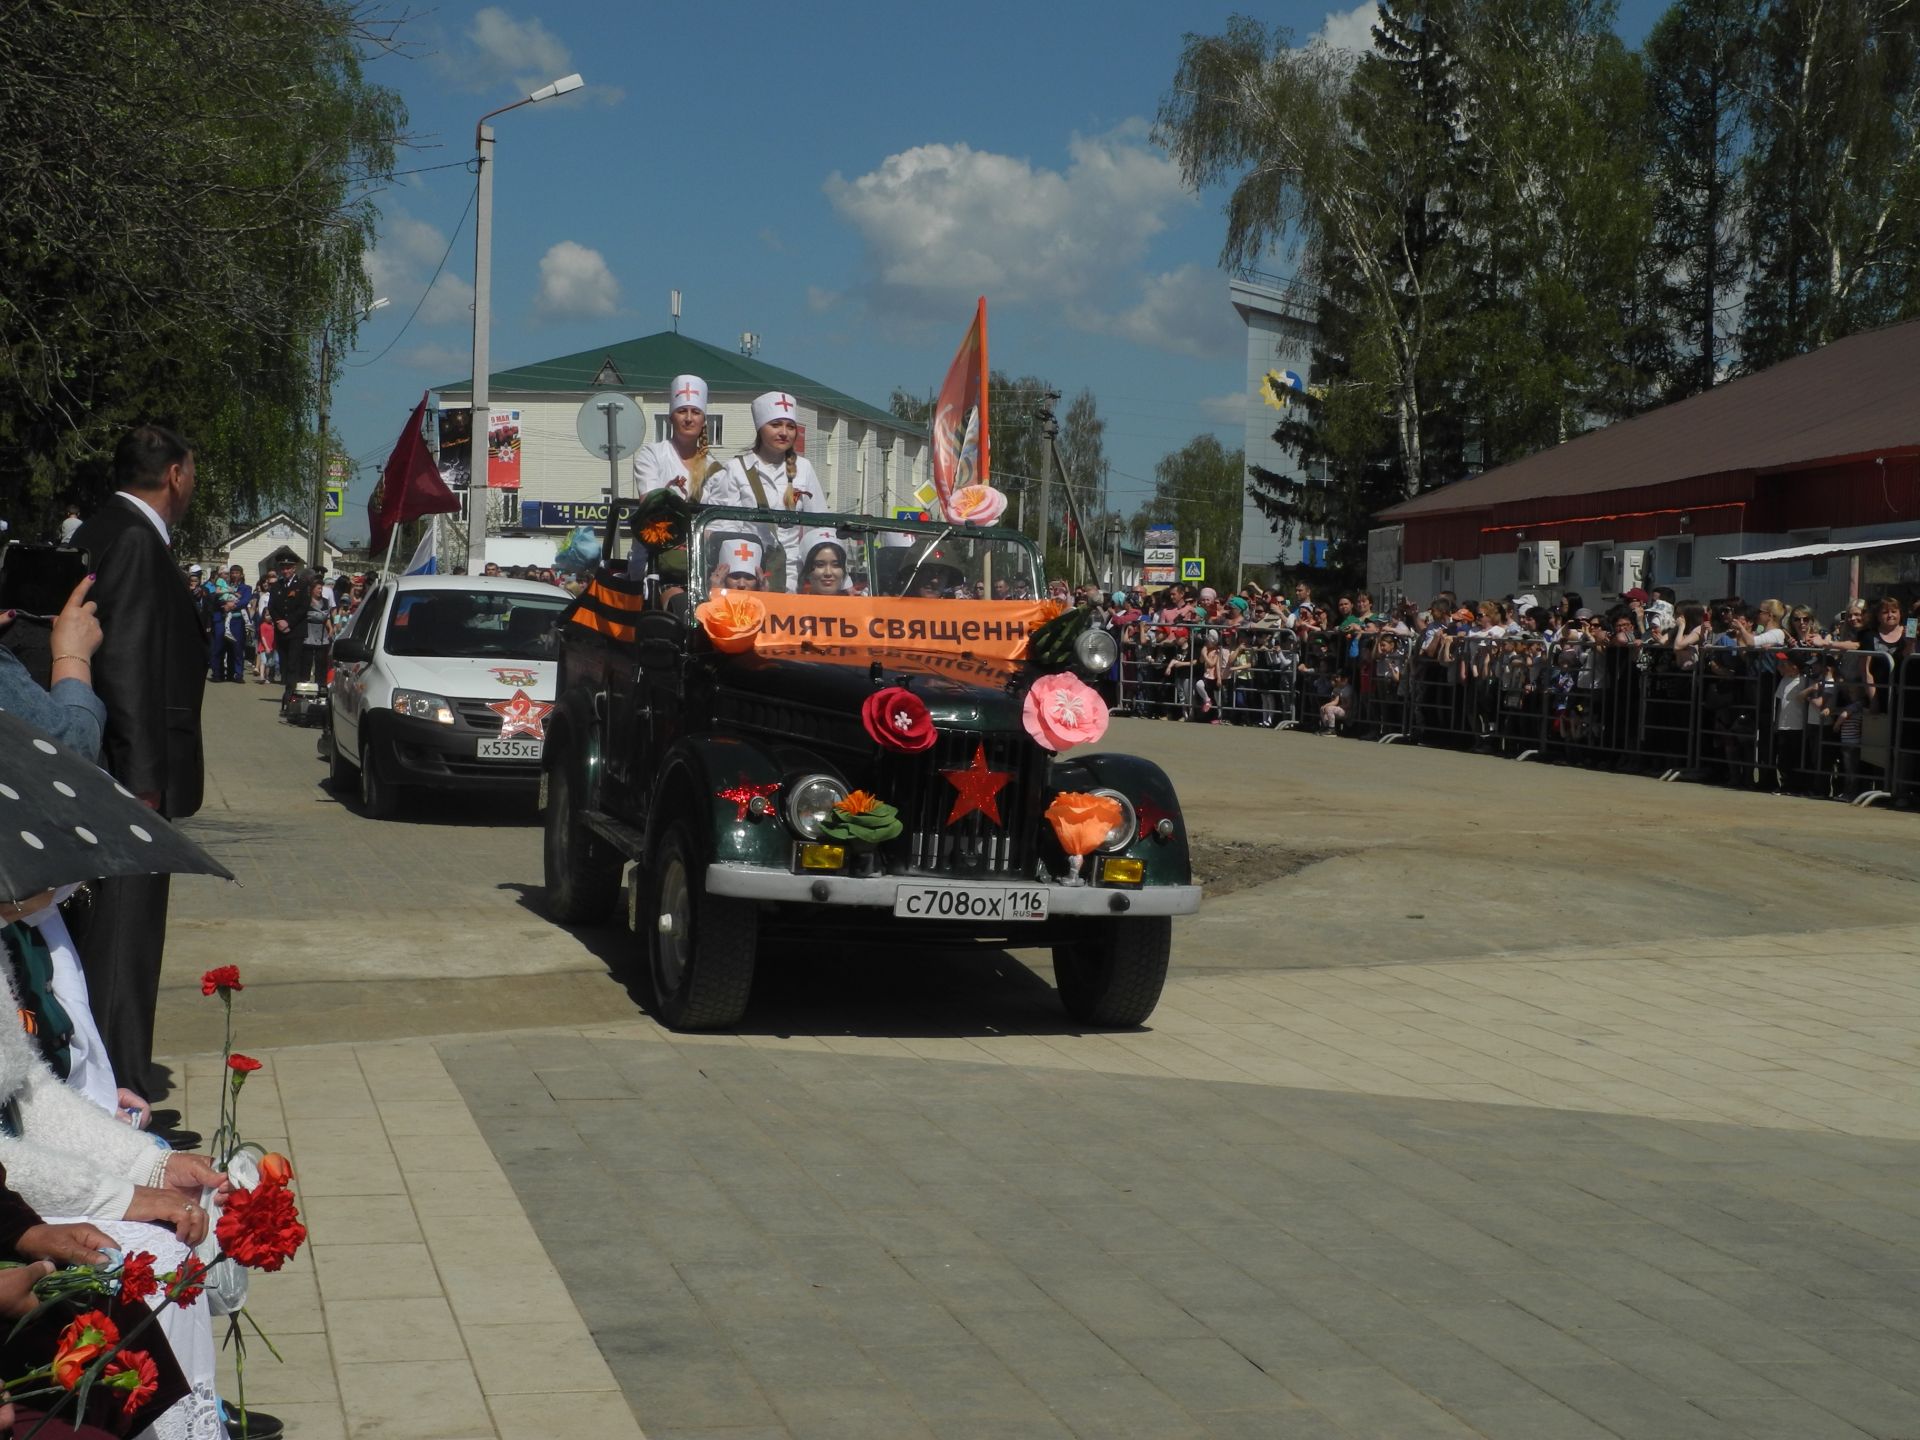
990,628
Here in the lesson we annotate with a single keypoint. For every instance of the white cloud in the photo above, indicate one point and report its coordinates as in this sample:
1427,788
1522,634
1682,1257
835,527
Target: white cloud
445,362
1228,409
943,223
819,301
1348,29
1185,311
575,284
403,257
497,50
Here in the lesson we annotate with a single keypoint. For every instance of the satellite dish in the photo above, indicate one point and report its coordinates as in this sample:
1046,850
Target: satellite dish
610,419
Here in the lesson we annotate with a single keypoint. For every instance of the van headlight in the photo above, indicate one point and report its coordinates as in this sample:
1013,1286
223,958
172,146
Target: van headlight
810,803
1121,835
419,706
1095,651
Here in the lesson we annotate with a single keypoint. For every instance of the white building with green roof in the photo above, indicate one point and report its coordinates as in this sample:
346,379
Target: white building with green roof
868,460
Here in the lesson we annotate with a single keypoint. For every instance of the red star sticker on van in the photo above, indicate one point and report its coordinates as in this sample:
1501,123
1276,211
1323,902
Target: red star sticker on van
522,715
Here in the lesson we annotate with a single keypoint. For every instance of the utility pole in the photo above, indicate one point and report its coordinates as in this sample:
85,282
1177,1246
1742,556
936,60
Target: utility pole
481,426
316,539
1050,430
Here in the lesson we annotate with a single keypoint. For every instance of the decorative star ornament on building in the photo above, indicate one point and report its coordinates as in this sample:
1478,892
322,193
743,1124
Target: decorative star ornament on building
744,794
522,715
978,786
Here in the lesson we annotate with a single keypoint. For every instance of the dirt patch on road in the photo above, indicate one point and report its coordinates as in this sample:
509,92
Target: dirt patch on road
1224,866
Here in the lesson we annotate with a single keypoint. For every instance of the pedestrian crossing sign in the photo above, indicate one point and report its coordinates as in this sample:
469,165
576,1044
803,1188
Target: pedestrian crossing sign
1192,568
336,501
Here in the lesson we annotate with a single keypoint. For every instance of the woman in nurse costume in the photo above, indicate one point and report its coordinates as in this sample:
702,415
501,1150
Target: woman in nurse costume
680,461
773,475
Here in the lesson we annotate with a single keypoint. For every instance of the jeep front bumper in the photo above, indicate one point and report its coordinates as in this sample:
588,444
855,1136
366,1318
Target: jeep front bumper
743,882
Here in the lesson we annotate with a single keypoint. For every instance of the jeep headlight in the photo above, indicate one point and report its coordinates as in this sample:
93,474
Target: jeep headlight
419,706
1095,651
810,803
1121,835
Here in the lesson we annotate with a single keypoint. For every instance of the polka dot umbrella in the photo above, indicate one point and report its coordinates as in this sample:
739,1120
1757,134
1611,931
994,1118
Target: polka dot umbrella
64,819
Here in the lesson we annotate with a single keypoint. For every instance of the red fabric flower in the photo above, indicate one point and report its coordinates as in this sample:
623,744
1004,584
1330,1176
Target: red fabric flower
137,1280
84,1341
242,1064
186,1283
222,978
898,719
134,1373
261,1227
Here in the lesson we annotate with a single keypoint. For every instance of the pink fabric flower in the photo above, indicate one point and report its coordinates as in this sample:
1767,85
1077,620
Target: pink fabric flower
976,505
1062,711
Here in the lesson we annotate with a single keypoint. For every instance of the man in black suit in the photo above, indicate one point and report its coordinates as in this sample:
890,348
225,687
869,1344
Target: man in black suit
151,672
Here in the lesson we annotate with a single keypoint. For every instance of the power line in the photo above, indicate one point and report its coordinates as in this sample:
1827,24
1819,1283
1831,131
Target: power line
362,364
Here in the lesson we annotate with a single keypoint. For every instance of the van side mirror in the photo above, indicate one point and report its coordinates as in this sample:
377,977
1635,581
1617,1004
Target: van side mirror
354,652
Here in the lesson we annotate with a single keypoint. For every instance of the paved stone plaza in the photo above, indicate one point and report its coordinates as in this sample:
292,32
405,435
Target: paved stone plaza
1523,1103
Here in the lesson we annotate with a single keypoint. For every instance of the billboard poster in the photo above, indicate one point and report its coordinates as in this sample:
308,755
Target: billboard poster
503,450
456,447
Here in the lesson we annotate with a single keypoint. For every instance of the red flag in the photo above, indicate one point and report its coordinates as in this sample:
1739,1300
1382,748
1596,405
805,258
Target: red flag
960,415
410,486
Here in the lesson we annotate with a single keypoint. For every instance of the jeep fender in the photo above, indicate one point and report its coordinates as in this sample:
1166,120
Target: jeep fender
692,776
1153,797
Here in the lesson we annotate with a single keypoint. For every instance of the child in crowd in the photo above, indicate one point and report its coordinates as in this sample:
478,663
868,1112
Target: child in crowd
1339,705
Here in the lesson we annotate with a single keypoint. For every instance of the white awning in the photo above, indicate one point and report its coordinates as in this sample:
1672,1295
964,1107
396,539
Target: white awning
1814,552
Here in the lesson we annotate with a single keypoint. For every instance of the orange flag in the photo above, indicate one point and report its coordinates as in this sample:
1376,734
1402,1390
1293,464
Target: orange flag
960,416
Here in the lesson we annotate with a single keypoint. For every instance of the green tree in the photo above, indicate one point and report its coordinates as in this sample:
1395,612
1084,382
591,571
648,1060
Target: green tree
188,206
1197,490
1698,63
1832,175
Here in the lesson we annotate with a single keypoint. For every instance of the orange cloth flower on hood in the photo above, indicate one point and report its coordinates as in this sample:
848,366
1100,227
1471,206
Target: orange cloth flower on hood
731,619
1081,822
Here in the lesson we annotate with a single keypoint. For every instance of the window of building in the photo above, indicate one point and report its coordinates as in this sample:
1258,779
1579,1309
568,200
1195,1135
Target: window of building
663,427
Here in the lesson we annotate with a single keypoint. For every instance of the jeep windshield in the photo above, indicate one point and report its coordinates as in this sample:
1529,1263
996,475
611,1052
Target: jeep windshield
859,556
469,624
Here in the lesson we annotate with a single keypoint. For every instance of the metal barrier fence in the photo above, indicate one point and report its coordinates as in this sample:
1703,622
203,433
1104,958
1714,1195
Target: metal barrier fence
1813,721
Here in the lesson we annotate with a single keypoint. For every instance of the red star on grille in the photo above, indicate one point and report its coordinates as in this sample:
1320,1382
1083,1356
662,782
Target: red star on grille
978,785
743,795
522,715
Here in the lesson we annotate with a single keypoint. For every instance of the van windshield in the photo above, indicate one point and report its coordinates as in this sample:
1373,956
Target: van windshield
461,624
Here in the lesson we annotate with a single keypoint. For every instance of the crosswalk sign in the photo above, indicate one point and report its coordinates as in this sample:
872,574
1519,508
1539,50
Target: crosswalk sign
336,501
1192,568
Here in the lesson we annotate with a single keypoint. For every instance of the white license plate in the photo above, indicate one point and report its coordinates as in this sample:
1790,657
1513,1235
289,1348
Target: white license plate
514,747
986,903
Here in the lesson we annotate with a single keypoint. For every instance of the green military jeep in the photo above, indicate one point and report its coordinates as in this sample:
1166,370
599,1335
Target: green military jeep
839,739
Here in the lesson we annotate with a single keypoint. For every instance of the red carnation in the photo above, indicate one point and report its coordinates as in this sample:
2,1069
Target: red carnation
133,1372
84,1341
222,978
186,1283
242,1064
137,1280
897,718
261,1227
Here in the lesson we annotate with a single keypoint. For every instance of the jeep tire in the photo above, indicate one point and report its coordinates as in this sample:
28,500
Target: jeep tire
1111,975
582,878
699,947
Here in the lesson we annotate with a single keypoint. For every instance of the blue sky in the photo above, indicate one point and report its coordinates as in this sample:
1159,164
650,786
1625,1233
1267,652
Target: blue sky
842,181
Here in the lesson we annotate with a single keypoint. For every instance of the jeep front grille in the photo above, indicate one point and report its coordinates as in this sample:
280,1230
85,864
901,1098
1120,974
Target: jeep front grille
972,845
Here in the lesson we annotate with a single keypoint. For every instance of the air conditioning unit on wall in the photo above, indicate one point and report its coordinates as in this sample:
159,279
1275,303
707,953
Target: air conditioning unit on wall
1539,562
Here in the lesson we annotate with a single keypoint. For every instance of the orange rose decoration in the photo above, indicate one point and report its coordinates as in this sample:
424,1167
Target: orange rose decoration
1081,822
732,618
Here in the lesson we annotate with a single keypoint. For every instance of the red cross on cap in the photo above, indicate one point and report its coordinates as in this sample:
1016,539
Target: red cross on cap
686,390
785,402
743,552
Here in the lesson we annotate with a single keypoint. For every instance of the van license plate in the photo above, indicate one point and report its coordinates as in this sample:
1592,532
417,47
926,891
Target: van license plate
511,748
986,903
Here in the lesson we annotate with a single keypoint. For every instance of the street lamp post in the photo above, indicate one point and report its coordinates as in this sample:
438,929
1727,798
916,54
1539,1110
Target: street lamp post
477,496
317,536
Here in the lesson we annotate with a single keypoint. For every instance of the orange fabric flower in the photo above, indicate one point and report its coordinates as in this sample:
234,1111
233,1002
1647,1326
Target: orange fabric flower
732,618
1081,822
858,803
659,533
